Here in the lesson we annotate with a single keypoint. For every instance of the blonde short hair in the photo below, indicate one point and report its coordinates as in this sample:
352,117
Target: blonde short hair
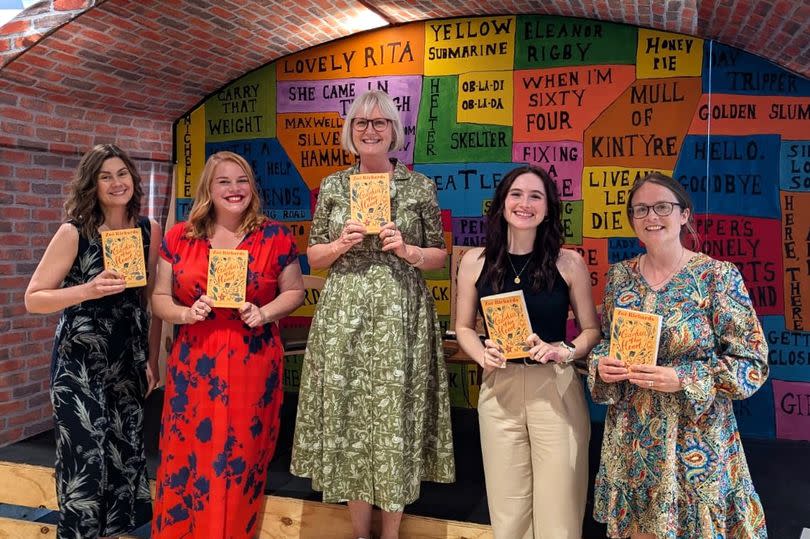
362,107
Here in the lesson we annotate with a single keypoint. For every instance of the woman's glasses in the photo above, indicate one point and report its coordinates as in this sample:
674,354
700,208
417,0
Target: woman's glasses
378,124
640,211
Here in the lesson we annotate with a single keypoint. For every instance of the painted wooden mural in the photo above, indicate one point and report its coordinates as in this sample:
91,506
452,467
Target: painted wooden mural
597,104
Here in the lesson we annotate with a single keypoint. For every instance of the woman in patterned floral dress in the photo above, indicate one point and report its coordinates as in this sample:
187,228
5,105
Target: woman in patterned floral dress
105,352
373,413
672,462
224,375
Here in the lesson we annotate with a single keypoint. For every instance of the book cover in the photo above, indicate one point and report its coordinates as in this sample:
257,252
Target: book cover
123,252
370,200
507,321
227,277
634,336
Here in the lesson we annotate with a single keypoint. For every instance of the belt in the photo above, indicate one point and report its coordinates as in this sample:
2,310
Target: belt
523,361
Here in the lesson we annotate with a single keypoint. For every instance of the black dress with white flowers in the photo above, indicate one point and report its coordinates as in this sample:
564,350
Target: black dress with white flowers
98,382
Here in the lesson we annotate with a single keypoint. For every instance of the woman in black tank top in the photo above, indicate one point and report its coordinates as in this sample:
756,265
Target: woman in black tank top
532,410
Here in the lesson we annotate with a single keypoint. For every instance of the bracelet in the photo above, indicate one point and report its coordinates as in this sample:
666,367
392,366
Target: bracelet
571,348
421,259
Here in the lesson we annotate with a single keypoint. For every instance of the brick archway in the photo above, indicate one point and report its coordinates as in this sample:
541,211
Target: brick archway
124,56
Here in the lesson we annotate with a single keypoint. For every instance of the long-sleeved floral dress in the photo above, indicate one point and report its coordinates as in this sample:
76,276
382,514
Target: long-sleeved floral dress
672,463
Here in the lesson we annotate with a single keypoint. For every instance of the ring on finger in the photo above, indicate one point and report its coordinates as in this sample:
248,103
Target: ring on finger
651,383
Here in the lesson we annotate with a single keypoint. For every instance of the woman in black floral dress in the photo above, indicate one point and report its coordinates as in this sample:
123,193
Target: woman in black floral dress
105,351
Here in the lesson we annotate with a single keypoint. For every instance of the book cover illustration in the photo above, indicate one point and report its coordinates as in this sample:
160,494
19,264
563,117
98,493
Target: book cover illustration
507,321
370,200
634,336
227,277
123,252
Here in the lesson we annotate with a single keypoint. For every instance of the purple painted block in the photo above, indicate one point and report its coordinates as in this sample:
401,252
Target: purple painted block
338,95
792,407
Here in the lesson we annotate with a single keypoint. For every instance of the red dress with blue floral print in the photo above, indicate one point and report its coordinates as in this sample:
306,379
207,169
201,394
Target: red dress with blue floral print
223,394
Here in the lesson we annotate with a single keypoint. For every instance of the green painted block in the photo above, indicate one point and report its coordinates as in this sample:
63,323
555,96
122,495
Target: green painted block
441,139
549,41
245,109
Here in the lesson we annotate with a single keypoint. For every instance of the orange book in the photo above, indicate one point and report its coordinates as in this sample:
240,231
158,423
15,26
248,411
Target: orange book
634,336
227,277
123,252
507,321
370,200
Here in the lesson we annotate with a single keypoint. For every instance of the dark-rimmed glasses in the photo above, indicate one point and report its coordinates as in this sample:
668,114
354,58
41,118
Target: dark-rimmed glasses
640,211
378,124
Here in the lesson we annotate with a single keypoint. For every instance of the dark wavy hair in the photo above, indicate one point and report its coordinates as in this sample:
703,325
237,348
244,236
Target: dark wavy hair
82,205
684,202
542,267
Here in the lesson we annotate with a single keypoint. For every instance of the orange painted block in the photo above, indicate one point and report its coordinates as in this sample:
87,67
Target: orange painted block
392,51
645,127
560,103
731,114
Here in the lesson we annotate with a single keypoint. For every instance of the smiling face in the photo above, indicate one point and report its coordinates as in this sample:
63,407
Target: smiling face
114,183
653,228
525,205
230,189
370,142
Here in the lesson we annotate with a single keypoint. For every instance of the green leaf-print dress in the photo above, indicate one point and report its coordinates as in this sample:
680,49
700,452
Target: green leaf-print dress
373,412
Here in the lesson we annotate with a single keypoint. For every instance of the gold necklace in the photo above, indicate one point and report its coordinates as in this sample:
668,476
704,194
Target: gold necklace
670,274
516,272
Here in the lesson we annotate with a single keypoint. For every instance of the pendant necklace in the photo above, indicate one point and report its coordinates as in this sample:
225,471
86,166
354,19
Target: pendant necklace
516,272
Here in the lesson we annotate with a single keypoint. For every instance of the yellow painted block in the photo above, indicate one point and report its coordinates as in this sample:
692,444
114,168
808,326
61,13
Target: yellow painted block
485,98
452,46
190,144
664,55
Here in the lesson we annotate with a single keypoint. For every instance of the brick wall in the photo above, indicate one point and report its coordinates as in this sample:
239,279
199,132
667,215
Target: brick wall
40,146
35,23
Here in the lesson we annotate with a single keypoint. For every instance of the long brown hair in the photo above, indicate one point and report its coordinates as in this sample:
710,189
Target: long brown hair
547,242
82,205
201,218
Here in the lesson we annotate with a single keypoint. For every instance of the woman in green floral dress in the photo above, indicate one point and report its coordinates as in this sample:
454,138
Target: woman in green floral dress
373,413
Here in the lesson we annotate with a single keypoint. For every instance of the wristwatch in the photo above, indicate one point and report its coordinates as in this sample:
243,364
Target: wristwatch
568,345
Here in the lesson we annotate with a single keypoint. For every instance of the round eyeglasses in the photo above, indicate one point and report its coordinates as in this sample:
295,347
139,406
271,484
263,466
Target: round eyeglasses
640,211
378,124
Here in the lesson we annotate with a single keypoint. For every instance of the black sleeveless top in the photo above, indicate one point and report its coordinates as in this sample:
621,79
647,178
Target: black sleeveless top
548,310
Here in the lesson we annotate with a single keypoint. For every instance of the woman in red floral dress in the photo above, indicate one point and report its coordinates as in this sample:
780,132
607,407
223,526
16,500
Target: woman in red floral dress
224,375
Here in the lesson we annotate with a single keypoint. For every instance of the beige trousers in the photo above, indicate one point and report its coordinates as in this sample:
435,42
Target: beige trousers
535,429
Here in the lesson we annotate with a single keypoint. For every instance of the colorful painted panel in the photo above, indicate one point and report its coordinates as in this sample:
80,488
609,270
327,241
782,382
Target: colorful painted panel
598,105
